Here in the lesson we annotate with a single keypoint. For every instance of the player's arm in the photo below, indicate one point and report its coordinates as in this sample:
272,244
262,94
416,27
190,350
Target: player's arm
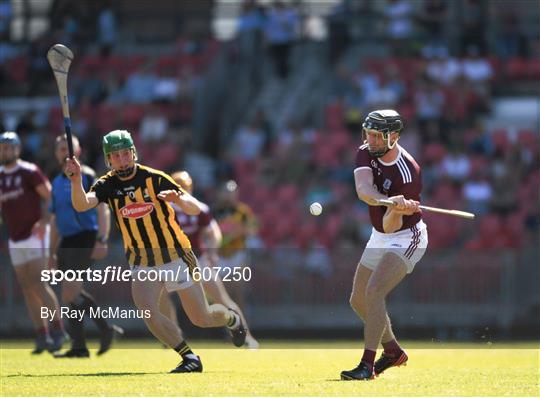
212,237
182,199
81,200
104,222
393,218
170,191
366,191
104,225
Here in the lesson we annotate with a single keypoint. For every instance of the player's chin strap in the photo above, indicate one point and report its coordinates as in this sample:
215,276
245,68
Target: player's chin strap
126,172
389,145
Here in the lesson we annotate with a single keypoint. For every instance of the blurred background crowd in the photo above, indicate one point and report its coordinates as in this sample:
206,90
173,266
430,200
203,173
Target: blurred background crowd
273,95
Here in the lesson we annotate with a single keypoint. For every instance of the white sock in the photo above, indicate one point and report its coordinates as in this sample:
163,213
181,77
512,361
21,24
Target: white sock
236,321
191,356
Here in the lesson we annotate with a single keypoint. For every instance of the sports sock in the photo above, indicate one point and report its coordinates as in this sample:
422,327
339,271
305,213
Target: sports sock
76,330
392,348
42,330
369,358
87,302
234,321
184,350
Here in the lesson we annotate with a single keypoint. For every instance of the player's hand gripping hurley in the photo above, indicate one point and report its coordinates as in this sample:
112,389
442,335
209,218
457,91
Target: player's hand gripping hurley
457,213
60,57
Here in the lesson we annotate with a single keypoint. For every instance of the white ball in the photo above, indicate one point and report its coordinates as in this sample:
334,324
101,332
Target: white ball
315,208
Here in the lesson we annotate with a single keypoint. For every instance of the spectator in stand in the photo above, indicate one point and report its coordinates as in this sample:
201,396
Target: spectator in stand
389,92
442,68
154,125
249,31
456,165
106,28
281,30
399,26
6,13
92,86
429,102
248,142
477,192
510,42
139,87
432,17
473,25
476,69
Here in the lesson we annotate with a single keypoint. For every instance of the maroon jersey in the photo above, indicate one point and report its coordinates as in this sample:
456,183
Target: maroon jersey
193,226
400,177
20,202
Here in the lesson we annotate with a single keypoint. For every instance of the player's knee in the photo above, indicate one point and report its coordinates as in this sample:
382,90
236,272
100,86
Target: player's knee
146,305
374,292
357,304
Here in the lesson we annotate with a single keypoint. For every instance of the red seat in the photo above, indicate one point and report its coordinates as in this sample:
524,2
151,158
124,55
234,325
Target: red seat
434,152
517,68
334,115
17,69
500,139
132,115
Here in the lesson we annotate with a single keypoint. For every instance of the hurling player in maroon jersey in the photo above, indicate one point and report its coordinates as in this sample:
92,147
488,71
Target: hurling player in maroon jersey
23,192
205,236
385,170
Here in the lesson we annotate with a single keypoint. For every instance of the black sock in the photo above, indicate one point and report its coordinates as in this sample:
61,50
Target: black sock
76,330
87,302
183,349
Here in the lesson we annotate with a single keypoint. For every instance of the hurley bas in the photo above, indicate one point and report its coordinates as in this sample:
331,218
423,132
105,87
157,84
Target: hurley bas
97,312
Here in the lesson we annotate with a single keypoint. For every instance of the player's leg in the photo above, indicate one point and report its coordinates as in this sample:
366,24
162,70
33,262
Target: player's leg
32,300
196,305
391,270
416,243
166,306
49,300
146,296
71,290
33,306
358,300
376,285
217,293
215,315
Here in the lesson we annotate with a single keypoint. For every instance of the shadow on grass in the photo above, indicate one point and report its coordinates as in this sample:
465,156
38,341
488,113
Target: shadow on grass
98,374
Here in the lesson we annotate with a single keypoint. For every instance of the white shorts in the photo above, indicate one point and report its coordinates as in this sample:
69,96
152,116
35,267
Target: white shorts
409,244
31,248
174,275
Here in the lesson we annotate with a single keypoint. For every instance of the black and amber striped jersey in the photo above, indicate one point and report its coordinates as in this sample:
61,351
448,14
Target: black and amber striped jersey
235,222
150,232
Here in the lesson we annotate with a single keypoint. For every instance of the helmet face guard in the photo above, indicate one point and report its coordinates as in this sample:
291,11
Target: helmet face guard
383,122
116,141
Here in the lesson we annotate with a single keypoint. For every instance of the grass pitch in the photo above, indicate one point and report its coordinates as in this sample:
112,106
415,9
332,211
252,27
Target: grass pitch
292,369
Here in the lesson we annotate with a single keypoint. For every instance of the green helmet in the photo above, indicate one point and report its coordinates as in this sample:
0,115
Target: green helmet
117,140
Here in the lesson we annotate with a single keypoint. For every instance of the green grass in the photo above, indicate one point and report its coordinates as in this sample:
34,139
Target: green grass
293,369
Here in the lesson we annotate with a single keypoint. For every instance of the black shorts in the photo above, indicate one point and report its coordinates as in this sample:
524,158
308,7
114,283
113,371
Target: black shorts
74,251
